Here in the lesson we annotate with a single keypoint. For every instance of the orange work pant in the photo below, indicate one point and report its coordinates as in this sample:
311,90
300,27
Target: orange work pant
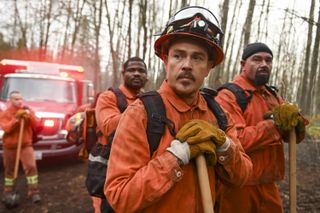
96,202
263,198
28,164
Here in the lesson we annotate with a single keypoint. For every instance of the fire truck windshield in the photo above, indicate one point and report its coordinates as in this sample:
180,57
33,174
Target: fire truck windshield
39,89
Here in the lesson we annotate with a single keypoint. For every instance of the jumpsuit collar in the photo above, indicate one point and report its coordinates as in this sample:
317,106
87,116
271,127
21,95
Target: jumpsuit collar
248,86
178,103
128,93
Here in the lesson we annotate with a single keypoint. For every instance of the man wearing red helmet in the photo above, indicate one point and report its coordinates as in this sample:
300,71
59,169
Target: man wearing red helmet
139,180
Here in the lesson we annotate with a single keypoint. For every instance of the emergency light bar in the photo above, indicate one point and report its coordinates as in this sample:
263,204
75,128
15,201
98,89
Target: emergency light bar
43,67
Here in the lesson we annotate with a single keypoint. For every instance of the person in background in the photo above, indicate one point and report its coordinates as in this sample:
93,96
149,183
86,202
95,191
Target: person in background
134,74
10,121
262,126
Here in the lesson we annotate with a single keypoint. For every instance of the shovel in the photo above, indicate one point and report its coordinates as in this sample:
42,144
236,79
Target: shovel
204,184
13,199
293,172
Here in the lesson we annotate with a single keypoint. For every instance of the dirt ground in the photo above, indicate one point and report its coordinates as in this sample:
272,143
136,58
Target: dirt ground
63,190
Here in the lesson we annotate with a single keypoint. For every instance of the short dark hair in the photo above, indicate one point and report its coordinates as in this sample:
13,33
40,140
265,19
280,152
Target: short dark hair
14,92
136,58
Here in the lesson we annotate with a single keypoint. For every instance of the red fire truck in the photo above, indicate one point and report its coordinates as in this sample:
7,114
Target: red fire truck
54,92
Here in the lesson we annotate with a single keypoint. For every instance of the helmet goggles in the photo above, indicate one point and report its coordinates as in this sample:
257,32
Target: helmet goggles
197,20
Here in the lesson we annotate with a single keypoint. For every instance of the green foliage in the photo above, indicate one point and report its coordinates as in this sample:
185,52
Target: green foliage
3,44
313,129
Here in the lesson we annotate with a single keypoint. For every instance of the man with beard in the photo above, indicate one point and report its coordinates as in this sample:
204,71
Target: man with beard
263,120
108,113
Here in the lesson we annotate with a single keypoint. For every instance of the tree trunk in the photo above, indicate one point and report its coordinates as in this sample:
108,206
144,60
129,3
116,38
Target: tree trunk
314,66
215,75
248,22
129,28
305,82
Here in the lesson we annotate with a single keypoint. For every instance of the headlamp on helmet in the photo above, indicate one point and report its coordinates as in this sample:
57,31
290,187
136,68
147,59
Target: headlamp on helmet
196,22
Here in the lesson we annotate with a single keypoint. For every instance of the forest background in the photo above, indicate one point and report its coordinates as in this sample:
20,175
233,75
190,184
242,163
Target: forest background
101,34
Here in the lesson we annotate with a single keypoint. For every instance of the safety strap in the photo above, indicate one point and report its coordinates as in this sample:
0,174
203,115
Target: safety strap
241,96
273,90
218,112
157,119
121,99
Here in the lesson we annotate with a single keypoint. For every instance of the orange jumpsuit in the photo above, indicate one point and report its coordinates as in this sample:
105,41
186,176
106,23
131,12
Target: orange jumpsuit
11,127
263,143
108,116
136,183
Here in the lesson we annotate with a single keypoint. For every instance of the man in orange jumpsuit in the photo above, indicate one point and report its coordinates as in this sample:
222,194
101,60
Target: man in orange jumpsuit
260,136
167,181
10,120
134,75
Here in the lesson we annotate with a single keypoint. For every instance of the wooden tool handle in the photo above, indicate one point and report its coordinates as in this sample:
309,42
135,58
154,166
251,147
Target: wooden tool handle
204,184
16,167
293,171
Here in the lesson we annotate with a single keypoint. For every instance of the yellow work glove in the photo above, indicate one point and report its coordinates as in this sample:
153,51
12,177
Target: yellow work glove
207,148
286,116
22,114
196,131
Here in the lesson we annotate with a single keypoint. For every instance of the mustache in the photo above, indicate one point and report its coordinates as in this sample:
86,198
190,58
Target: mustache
263,70
137,78
188,75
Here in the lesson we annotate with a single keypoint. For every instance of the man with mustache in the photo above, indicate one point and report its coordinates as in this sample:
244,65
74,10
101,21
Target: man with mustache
263,120
108,113
139,180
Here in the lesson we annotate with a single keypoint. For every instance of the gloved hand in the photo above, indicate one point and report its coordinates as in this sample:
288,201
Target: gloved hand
207,148
286,116
185,151
180,150
196,131
23,114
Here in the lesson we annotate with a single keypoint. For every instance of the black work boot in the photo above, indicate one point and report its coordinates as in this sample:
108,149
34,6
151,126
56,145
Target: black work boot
36,198
11,199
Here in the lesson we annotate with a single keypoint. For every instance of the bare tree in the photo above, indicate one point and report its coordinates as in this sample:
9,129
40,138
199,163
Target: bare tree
305,81
313,74
45,21
97,7
215,76
129,28
145,29
22,43
248,22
